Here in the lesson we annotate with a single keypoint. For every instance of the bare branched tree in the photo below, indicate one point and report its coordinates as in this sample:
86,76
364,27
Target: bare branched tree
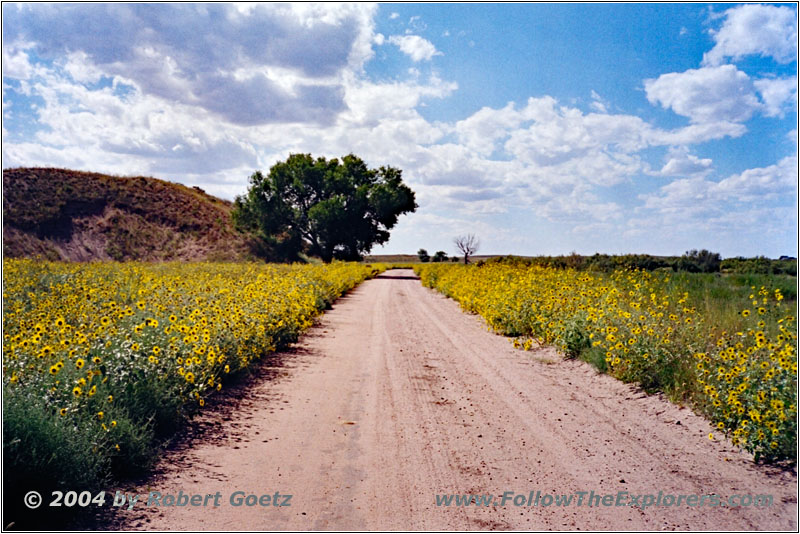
468,245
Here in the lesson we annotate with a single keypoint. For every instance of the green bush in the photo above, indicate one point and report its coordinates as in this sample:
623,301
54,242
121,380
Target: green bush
576,337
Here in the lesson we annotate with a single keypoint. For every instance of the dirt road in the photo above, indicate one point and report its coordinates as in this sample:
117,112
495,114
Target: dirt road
397,396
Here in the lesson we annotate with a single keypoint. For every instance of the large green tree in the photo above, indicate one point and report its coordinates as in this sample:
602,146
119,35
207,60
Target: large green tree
328,208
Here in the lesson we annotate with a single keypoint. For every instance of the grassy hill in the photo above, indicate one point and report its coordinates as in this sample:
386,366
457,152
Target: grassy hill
60,214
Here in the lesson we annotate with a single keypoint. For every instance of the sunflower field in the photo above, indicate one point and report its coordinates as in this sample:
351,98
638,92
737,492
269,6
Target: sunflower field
102,361
739,371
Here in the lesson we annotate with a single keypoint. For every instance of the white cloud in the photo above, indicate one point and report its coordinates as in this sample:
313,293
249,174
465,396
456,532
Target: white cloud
416,25
81,69
394,15
743,214
553,159
564,142
416,47
679,162
755,29
225,64
370,103
686,193
708,94
778,94
753,186
599,104
550,149
579,207
481,130
697,133
761,184
15,62
132,134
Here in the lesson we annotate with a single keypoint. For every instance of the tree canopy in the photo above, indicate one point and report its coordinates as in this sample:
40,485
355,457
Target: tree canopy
439,257
328,208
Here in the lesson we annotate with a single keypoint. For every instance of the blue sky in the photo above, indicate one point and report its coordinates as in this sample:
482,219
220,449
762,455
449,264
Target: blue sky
541,128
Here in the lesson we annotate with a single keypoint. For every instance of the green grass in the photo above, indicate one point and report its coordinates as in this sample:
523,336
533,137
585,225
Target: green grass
721,297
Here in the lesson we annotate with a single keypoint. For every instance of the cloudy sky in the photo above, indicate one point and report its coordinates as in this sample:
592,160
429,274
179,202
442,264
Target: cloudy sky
541,128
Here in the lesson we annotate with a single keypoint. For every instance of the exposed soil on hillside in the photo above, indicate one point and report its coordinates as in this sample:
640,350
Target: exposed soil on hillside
397,396
59,214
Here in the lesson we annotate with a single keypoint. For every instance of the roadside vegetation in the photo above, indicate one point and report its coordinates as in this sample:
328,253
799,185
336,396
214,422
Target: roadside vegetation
693,261
103,362
724,343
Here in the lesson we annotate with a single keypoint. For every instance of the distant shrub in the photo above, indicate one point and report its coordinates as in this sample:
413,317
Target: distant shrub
693,261
439,257
759,265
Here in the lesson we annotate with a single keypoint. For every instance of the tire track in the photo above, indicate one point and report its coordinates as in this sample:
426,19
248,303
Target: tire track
396,396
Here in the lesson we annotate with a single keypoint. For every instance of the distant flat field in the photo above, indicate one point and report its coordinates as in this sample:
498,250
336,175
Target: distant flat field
413,258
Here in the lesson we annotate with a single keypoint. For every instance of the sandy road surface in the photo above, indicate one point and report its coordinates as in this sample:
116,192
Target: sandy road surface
397,396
